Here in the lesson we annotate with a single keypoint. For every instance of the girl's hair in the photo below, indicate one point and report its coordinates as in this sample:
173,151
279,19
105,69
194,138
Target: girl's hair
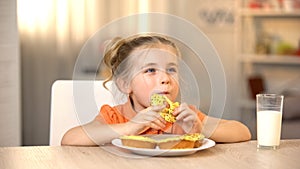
118,50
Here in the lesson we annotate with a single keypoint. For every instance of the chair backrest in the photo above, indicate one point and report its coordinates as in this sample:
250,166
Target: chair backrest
75,103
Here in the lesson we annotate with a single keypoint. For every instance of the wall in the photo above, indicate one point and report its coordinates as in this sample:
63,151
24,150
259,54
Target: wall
10,115
217,21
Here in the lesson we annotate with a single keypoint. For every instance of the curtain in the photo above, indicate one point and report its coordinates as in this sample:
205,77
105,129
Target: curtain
52,33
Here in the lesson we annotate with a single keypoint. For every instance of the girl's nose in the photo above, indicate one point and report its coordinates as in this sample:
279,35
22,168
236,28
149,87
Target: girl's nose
165,82
164,78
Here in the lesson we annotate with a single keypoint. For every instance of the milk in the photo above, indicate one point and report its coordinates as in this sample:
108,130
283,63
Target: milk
268,127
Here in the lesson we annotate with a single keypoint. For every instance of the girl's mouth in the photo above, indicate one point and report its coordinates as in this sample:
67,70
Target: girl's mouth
164,93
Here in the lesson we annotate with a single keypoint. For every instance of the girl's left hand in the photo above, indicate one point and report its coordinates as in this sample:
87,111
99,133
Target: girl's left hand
187,119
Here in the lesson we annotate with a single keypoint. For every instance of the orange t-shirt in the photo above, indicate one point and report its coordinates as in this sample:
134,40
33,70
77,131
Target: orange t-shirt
116,115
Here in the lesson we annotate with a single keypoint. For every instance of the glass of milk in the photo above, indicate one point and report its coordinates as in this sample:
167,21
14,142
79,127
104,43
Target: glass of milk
269,118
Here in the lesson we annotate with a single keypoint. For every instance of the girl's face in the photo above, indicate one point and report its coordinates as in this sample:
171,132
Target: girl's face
155,71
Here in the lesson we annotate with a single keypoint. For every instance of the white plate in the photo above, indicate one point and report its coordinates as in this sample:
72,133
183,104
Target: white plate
207,143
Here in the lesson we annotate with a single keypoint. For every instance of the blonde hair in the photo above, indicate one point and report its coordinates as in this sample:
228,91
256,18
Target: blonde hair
118,50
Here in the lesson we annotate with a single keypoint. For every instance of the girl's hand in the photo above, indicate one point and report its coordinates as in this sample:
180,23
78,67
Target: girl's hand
187,119
149,118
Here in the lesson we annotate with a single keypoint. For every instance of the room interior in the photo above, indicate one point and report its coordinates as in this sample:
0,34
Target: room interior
41,41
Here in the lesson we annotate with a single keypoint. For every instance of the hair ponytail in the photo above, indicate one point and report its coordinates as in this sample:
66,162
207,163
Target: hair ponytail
110,57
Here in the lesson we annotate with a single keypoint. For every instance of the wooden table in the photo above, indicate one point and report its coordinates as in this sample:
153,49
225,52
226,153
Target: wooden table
238,155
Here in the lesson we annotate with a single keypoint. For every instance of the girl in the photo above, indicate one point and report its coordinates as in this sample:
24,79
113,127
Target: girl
140,66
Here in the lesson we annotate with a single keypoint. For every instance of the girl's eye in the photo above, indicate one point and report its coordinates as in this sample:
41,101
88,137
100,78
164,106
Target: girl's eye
172,70
150,70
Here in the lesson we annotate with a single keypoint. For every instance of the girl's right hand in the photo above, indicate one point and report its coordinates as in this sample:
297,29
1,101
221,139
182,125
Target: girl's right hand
149,118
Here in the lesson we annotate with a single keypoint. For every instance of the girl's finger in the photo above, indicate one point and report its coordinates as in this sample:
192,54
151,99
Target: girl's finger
182,115
162,120
150,118
157,108
154,126
160,124
180,109
189,118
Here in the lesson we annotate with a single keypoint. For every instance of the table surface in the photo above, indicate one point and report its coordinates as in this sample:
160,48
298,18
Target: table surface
237,155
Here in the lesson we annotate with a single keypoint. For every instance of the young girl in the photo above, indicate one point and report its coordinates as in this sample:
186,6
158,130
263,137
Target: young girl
140,66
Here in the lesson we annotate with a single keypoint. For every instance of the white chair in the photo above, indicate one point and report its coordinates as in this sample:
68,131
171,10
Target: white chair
74,103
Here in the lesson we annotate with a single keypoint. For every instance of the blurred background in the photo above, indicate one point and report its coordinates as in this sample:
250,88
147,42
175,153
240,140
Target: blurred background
258,42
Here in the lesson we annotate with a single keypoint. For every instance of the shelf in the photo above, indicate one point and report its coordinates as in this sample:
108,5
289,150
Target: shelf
271,59
277,70
269,13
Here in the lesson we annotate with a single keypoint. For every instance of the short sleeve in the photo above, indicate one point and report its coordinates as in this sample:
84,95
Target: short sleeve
110,115
200,115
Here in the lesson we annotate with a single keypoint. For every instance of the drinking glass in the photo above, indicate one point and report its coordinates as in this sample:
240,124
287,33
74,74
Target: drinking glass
269,119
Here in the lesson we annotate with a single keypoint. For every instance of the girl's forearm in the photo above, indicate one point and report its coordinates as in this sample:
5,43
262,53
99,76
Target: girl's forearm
226,131
230,131
95,133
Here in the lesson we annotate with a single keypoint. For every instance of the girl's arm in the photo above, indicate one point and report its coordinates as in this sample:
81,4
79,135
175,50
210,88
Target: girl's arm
225,131
219,130
95,133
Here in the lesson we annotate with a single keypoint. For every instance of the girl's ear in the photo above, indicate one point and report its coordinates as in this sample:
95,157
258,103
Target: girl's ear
123,86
